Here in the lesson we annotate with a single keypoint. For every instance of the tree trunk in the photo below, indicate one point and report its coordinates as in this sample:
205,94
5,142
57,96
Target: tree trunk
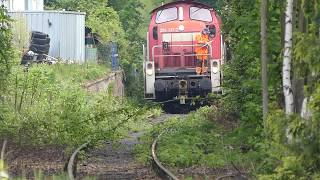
264,58
305,111
286,70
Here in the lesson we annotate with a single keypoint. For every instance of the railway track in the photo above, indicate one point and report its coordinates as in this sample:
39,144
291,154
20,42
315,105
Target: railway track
158,166
124,172
122,159
165,173
72,163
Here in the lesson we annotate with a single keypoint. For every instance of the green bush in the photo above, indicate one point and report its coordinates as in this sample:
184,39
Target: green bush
49,105
6,50
292,145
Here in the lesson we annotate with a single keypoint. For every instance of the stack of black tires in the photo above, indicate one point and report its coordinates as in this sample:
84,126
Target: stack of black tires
40,45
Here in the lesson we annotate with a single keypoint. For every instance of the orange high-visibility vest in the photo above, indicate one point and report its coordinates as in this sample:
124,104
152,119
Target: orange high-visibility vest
202,39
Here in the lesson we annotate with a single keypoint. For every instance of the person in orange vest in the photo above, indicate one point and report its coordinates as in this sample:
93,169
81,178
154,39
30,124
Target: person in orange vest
202,51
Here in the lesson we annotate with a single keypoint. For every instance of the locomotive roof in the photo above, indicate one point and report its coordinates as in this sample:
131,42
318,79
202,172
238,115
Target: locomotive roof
181,1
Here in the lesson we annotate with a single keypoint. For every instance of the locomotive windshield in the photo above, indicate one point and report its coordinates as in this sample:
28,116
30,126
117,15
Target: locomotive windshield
200,14
166,15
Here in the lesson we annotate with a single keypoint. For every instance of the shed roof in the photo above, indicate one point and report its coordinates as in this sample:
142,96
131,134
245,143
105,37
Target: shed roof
51,11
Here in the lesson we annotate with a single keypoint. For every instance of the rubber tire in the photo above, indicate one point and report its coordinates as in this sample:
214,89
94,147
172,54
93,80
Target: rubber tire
39,35
40,49
40,41
26,58
41,57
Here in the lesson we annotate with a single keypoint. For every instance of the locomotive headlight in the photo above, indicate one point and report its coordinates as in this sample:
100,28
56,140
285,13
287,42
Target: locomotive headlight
181,28
149,70
215,67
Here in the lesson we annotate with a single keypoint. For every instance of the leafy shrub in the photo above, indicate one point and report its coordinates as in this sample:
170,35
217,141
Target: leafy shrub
293,145
6,50
48,105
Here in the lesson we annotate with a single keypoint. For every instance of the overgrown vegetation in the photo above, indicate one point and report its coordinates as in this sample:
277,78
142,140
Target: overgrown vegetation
283,147
6,50
198,141
289,143
49,105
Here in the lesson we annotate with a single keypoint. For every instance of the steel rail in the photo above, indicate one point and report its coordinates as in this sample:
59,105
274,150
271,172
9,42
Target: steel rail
167,173
3,174
3,149
72,161
71,166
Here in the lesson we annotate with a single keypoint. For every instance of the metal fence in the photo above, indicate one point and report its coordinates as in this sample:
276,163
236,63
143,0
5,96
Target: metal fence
108,54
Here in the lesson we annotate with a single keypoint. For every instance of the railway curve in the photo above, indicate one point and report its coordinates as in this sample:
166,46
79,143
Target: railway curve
162,171
114,160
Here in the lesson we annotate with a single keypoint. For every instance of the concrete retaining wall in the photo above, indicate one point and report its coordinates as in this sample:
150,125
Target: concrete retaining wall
115,79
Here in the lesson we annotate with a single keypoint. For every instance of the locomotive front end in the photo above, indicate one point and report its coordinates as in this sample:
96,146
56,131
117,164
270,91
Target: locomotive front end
171,56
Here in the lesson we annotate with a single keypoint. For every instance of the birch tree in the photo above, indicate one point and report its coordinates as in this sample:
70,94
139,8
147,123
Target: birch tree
264,57
286,69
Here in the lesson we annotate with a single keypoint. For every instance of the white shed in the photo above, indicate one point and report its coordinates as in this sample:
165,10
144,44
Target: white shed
23,5
66,31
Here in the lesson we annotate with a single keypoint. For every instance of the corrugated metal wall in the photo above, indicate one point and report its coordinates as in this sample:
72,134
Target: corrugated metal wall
66,30
22,5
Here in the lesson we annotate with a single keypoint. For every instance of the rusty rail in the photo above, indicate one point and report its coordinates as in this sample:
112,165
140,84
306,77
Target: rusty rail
72,161
165,172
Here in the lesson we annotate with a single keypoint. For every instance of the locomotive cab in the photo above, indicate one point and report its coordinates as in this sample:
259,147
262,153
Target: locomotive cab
170,58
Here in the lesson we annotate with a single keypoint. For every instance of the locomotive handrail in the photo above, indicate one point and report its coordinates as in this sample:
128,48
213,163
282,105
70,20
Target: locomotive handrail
160,46
173,55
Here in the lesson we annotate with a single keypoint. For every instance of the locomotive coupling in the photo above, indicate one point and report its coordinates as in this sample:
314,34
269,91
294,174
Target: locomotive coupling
183,87
183,91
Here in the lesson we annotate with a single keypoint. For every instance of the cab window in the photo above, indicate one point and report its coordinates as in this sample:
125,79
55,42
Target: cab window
166,15
200,14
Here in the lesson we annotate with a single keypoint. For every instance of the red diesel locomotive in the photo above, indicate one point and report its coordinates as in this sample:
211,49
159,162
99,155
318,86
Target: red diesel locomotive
170,58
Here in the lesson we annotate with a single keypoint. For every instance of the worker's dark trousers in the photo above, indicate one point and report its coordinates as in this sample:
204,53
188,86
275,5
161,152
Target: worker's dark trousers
199,63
